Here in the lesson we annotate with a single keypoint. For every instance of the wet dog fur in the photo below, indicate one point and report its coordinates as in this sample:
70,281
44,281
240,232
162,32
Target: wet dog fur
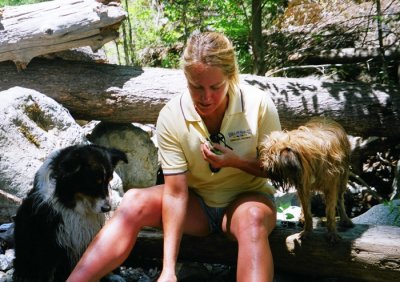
313,157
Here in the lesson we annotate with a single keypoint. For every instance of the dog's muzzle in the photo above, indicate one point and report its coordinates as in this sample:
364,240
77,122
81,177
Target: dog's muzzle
105,207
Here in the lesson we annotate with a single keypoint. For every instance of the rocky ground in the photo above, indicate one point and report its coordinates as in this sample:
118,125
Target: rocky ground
373,185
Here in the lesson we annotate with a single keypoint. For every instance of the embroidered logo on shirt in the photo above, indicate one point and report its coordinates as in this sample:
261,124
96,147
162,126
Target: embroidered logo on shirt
239,135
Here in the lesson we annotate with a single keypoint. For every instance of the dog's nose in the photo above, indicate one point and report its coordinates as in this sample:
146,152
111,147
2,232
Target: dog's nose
105,207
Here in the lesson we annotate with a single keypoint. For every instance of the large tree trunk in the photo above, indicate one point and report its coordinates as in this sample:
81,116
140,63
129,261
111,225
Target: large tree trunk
365,253
125,94
28,31
347,55
257,39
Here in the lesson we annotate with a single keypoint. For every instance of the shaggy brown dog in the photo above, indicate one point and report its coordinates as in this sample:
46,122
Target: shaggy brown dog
314,157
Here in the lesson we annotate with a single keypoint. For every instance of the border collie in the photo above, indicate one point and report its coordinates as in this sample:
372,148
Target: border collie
63,212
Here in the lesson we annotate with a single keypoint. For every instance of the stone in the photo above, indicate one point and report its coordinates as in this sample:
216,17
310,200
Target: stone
138,144
32,125
382,214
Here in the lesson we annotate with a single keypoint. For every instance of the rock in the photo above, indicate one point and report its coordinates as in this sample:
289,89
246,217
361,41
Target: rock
141,171
193,272
6,237
6,276
382,214
32,125
6,260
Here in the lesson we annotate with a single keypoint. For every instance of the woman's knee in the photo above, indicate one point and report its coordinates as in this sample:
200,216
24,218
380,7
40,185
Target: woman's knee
139,204
256,218
255,222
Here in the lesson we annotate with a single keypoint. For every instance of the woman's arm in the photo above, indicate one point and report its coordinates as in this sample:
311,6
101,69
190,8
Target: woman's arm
175,199
227,158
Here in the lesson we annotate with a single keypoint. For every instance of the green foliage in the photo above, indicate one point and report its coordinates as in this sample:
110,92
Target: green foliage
184,17
393,208
18,2
144,28
284,206
138,32
231,17
156,31
171,60
36,114
159,26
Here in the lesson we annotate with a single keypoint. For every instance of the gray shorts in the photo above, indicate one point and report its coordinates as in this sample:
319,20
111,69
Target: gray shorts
216,214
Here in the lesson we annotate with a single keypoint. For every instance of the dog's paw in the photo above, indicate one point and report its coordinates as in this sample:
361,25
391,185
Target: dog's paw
333,238
304,235
346,223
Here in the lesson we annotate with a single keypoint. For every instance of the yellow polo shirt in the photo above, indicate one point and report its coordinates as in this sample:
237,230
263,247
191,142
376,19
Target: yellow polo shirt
250,115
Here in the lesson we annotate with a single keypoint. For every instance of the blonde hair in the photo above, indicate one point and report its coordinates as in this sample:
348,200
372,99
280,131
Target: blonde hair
213,49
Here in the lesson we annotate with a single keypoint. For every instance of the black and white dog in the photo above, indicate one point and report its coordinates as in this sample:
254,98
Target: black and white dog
63,212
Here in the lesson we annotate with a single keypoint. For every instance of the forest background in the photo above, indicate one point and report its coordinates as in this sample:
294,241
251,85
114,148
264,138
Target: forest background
271,37
297,38
333,40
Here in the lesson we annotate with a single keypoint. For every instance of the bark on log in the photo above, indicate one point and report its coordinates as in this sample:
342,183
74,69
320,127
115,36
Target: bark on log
365,253
346,55
125,94
28,31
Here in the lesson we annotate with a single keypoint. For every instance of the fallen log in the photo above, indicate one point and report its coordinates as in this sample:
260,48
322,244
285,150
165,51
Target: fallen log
122,94
31,30
346,55
365,253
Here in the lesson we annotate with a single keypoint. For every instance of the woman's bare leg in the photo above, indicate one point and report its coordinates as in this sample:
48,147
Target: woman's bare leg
196,222
250,220
113,244
139,207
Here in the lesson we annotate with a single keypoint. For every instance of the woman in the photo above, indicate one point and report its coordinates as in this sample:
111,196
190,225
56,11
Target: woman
208,142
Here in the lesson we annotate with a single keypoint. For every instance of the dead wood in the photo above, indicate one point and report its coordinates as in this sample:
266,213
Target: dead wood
346,55
365,253
122,94
31,30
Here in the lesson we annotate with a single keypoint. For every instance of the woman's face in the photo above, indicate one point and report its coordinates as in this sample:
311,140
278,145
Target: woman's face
208,87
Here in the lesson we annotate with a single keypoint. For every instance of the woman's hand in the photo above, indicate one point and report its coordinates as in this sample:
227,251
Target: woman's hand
218,156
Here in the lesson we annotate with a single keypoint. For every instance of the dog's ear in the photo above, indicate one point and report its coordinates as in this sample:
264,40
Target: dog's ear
116,156
291,166
70,164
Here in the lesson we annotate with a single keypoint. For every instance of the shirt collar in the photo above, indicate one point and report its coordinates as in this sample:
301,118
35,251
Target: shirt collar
190,114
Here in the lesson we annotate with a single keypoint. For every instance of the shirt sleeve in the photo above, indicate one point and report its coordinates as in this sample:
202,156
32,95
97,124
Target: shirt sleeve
268,117
170,152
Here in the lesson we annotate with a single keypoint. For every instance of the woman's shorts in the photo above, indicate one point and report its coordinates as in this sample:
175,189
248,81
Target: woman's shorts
216,214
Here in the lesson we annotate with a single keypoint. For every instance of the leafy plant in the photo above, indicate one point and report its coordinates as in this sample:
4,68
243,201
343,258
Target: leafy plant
284,206
18,2
393,208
